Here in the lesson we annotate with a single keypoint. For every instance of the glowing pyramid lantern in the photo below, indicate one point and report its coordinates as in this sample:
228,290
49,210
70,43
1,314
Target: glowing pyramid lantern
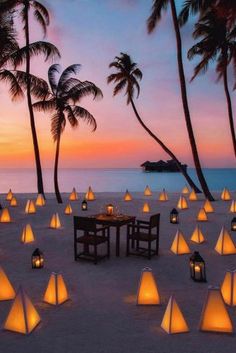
147,191
127,196
215,317
7,292
73,196
147,291
5,216
27,235
13,202
163,196
56,292
228,288
179,245
208,207
30,207
90,194
68,209
9,195
202,216
182,203
197,236
55,222
225,244
185,190
146,207
22,317
40,201
173,320
225,195
233,207
192,196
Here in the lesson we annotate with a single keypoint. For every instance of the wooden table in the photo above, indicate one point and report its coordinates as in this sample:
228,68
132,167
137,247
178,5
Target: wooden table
114,221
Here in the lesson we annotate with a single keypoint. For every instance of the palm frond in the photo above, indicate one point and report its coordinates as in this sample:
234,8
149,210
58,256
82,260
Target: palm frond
52,71
71,117
40,19
82,113
72,69
82,90
38,87
157,8
119,87
44,12
45,105
15,89
58,123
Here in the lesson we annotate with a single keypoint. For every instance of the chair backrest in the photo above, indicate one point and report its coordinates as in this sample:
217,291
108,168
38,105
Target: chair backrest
85,223
154,220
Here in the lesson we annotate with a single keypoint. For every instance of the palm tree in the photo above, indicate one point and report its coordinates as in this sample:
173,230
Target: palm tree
126,78
64,94
217,44
158,7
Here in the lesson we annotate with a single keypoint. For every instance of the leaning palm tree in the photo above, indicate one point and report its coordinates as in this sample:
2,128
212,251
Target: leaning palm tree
218,44
158,7
126,78
63,96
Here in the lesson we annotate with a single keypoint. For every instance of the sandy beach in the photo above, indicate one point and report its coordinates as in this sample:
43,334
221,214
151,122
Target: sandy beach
101,315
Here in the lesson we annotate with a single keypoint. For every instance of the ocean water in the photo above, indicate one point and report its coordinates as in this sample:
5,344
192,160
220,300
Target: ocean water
113,180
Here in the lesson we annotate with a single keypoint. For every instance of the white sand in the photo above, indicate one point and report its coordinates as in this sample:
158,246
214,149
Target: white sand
101,316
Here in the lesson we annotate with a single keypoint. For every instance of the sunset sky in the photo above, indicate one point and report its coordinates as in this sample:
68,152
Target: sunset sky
92,33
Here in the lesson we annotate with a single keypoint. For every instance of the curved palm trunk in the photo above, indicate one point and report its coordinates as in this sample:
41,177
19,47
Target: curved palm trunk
166,149
56,187
185,106
230,110
31,113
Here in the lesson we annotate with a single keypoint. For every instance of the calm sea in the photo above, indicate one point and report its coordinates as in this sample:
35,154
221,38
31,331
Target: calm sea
24,180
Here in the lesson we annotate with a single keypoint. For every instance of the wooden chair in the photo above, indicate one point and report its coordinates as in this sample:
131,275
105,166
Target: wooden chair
91,236
144,232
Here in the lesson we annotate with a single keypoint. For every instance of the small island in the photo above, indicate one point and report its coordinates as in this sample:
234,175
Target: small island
169,166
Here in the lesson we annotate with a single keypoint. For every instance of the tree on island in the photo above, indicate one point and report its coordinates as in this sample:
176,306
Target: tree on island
126,78
62,98
157,8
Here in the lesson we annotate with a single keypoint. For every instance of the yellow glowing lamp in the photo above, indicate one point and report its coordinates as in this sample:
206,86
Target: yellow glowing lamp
30,207
68,209
147,191
233,207
7,292
55,222
127,196
185,190
5,216
197,236
22,317
192,196
163,196
225,195
148,291
40,201
182,203
13,202
173,320
27,234
208,207
202,216
215,317
228,288
56,292
90,195
225,244
9,195
73,196
179,245
146,207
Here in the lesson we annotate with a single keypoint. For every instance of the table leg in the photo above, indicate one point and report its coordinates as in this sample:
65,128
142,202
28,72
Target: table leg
117,241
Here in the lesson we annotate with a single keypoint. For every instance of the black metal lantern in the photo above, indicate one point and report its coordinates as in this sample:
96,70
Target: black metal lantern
174,216
84,205
197,267
233,224
37,259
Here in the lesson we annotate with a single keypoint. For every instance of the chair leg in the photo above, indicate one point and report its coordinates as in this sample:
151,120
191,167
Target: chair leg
127,245
108,243
95,255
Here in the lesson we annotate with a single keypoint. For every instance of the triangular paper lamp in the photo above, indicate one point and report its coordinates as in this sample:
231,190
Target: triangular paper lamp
233,207
147,291
127,196
182,203
90,194
68,209
228,288
40,201
13,202
208,207
185,190
197,236
6,290
225,244
30,207
147,191
173,320
163,196
202,216
9,195
22,317
225,196
192,196
215,316
27,234
73,196
146,207
55,221
56,291
179,245
5,216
